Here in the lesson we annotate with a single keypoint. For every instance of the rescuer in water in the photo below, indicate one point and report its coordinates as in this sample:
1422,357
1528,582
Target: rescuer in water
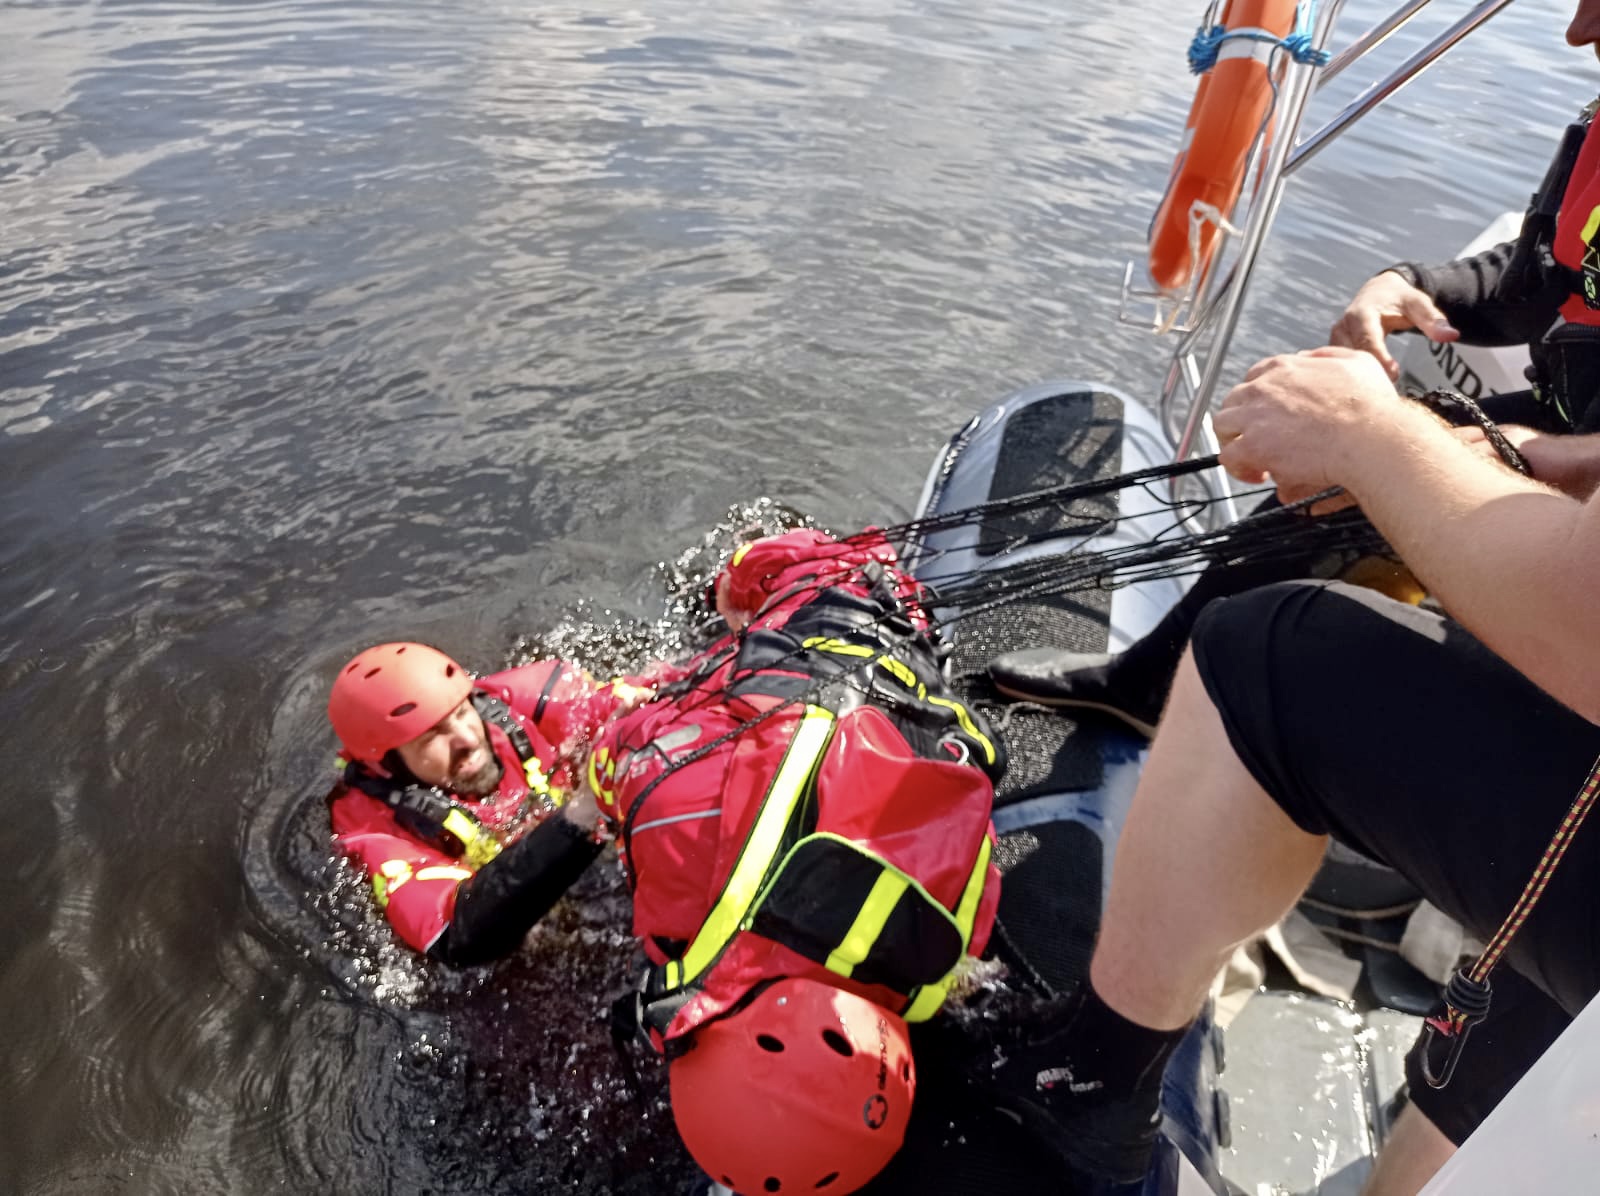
802,811
458,797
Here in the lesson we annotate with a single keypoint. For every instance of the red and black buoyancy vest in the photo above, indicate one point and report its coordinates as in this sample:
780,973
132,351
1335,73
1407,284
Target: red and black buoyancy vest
861,847
1577,225
1557,261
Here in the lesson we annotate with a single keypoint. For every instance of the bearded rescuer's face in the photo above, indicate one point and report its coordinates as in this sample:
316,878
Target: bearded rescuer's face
455,754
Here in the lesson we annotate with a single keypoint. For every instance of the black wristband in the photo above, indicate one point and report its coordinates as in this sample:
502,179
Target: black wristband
1407,271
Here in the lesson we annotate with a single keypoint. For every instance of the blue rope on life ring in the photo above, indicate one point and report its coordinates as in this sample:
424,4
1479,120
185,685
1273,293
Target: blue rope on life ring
1208,40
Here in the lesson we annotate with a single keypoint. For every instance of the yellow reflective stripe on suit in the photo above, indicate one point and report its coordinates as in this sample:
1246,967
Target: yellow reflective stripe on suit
927,1001
755,857
391,874
864,931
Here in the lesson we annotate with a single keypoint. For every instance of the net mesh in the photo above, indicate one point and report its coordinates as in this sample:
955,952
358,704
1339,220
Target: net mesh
1062,597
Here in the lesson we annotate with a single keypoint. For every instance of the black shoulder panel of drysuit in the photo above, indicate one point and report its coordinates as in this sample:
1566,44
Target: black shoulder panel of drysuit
1510,294
1489,302
501,903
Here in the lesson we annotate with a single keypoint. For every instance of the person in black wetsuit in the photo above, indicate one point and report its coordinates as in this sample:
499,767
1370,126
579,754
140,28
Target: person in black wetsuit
1449,748
1541,290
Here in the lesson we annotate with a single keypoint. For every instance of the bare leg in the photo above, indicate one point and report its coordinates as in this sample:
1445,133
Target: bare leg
1207,860
1415,1150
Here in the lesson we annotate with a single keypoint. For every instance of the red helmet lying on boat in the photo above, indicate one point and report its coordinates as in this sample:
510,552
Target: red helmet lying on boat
392,693
807,1088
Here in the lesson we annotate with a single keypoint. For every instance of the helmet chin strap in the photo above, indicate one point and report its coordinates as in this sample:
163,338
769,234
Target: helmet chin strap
392,768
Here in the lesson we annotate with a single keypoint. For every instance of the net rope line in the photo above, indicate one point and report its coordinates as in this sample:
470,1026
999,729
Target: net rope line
1266,535
1467,995
1275,533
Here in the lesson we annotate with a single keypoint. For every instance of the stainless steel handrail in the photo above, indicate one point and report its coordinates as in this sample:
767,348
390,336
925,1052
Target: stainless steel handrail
1398,78
1293,93
1217,306
1371,39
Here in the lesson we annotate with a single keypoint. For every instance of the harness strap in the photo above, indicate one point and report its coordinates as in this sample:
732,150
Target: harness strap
431,814
1467,996
492,710
1546,201
916,691
545,692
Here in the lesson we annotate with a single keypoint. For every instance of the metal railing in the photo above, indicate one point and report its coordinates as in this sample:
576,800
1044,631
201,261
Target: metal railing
1206,318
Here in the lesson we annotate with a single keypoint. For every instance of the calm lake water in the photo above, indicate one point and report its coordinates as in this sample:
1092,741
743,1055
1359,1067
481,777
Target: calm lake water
324,321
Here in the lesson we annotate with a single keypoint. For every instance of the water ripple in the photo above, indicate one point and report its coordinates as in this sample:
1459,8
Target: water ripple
322,321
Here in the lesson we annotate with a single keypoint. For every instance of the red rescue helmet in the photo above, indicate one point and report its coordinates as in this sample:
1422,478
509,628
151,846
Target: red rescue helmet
392,693
806,1089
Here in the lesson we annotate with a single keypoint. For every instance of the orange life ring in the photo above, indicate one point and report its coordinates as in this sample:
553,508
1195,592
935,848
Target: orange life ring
1231,102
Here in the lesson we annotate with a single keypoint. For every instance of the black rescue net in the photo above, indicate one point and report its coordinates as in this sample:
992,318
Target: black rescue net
1187,540
1193,537
1190,539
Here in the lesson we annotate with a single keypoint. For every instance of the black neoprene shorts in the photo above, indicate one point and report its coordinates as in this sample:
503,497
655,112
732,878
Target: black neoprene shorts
1396,732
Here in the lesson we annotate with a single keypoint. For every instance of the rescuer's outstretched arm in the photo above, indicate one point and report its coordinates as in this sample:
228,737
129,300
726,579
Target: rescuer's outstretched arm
497,907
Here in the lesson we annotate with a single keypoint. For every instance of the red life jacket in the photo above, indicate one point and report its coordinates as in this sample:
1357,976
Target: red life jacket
1577,226
813,805
418,852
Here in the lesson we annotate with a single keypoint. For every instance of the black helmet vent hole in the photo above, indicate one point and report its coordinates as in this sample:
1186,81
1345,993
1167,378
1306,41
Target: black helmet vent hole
838,1043
905,1072
773,1184
827,1179
402,710
449,670
371,673
400,651
727,1183
769,1044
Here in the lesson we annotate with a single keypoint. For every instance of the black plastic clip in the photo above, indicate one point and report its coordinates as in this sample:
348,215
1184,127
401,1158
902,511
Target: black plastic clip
1466,1002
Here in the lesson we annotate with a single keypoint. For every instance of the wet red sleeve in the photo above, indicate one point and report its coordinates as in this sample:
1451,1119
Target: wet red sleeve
607,755
414,884
566,704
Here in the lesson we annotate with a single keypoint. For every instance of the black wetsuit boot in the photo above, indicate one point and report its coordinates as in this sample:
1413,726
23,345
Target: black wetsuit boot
1087,1081
1132,685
